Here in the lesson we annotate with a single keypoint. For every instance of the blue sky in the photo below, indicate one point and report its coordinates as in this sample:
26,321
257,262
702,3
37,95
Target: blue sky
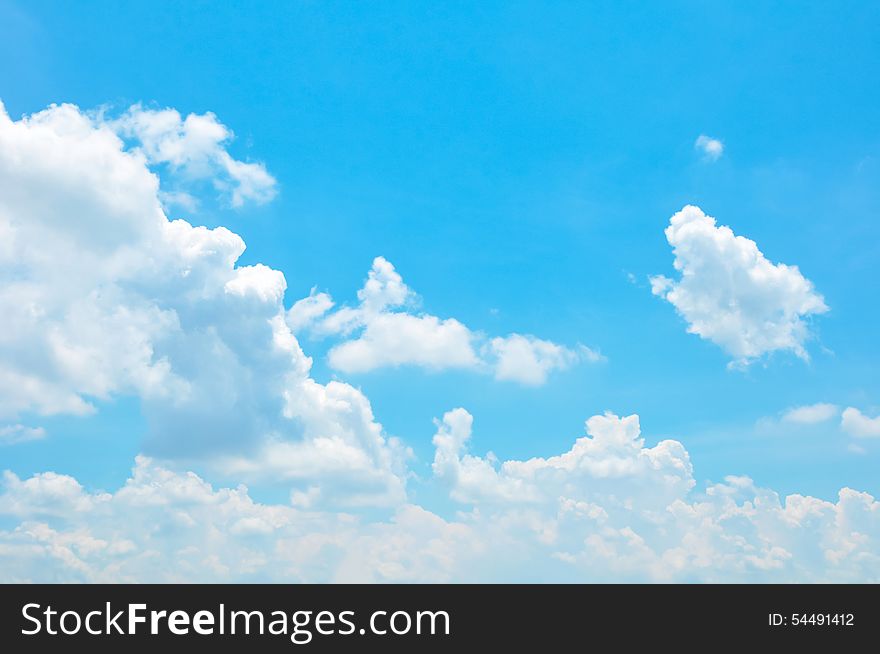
518,164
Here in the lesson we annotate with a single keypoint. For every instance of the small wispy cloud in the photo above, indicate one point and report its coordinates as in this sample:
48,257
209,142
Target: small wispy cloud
855,423
11,434
711,148
811,414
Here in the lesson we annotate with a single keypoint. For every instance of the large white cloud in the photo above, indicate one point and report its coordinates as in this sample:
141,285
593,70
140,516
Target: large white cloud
102,295
730,294
383,331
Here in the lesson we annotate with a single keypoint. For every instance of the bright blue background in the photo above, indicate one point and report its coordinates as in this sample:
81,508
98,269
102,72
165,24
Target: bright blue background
522,157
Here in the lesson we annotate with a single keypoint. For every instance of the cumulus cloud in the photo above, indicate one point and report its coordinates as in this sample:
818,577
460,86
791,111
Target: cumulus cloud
731,294
102,295
196,146
711,148
811,414
384,331
608,509
857,424
610,462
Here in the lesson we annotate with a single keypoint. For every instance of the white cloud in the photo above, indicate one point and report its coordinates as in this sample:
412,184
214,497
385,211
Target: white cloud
712,149
730,294
103,296
384,288
394,339
811,414
529,360
341,446
857,424
46,494
307,310
611,462
389,334
168,526
12,434
195,145
69,334
179,199
609,509
258,281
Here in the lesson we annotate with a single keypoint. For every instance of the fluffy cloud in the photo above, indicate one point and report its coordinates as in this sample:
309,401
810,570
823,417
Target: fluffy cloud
306,311
811,414
68,332
712,149
394,339
857,424
102,295
195,145
730,294
609,509
610,462
530,360
389,334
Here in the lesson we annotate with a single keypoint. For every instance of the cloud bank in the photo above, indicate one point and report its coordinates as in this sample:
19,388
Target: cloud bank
609,509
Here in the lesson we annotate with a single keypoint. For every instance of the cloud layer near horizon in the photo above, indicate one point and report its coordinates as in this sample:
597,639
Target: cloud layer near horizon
609,509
